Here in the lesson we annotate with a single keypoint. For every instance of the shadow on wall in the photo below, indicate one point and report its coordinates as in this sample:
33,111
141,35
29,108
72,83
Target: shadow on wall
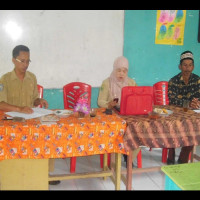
55,98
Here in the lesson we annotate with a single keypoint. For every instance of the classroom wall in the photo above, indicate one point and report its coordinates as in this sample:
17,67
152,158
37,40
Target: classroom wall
148,62
65,45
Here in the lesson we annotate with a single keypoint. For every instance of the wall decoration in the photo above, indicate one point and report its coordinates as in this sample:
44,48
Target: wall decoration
170,26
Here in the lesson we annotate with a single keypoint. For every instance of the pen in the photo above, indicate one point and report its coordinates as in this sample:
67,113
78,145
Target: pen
7,118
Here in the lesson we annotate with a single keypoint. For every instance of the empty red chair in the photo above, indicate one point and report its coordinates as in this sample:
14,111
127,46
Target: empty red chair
71,93
160,93
160,90
161,98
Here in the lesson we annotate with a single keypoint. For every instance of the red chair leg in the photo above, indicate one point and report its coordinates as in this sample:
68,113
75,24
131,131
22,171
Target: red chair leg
189,157
72,164
101,160
139,159
164,155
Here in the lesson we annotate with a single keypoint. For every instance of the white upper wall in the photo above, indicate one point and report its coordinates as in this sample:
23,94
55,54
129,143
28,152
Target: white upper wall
65,45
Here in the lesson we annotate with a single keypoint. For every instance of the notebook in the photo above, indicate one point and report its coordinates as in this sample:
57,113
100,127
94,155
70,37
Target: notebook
136,100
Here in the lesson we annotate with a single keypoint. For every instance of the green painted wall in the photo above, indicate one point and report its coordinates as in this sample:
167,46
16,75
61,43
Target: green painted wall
54,97
148,62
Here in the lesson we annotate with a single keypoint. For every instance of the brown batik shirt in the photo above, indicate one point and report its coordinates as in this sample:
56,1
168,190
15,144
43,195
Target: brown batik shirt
178,91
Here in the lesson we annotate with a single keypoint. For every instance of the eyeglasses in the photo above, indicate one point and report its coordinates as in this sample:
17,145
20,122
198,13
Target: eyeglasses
23,61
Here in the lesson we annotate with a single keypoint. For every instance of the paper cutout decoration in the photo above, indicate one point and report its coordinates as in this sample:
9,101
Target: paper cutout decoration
170,27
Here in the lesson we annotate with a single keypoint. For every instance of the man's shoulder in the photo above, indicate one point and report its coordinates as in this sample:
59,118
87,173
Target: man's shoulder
6,75
195,76
177,76
31,74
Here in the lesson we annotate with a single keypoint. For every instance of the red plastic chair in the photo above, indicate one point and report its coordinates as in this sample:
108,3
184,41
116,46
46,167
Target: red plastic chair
71,93
160,91
40,91
161,98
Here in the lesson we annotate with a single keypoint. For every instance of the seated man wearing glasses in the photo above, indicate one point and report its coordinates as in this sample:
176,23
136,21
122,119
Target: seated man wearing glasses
18,88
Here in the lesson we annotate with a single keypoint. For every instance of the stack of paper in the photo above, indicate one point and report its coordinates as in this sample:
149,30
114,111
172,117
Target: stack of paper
38,112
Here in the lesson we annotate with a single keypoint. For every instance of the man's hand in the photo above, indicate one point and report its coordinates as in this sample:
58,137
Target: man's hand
195,103
42,102
26,110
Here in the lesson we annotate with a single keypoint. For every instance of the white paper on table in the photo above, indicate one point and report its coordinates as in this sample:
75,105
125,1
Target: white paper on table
38,112
197,111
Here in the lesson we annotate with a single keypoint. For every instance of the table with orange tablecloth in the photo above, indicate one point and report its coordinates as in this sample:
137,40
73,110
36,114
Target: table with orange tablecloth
69,137
176,130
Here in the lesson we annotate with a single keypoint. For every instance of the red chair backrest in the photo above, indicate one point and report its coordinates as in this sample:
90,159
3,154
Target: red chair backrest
40,90
73,91
160,91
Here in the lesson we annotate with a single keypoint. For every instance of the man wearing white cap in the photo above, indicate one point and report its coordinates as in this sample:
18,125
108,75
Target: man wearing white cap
184,86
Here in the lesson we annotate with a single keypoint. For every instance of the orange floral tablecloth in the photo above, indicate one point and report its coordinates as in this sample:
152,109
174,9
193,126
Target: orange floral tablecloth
70,136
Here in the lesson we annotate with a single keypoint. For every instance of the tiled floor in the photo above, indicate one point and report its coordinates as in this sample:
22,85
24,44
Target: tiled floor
140,181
